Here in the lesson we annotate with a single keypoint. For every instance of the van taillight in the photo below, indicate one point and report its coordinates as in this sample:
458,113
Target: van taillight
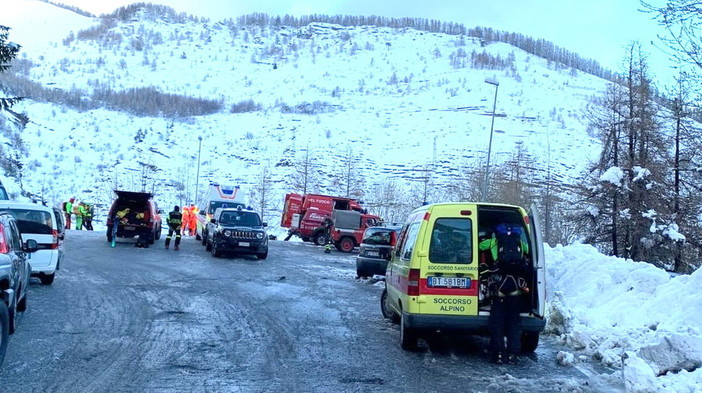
3,246
526,220
413,282
426,216
54,239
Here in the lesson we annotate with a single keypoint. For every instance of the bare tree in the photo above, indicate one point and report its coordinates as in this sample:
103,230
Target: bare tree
305,176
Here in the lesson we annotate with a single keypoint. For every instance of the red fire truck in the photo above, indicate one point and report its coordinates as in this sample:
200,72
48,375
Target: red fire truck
309,216
348,228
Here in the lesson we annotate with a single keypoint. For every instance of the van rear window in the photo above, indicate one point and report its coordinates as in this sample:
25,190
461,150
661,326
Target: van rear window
33,221
451,241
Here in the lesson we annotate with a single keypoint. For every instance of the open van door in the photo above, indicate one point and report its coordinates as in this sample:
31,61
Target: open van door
535,239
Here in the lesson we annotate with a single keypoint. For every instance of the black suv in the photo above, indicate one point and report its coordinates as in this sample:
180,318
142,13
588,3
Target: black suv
14,276
237,231
376,249
137,216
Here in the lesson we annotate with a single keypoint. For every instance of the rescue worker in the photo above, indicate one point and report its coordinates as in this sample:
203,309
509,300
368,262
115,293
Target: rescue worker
174,221
88,217
68,210
79,215
504,317
192,225
185,220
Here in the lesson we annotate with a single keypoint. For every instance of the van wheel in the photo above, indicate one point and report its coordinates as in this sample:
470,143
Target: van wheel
408,337
387,311
530,340
47,279
208,246
346,244
204,238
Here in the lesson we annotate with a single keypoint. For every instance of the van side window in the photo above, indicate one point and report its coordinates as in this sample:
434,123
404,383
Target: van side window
451,241
411,238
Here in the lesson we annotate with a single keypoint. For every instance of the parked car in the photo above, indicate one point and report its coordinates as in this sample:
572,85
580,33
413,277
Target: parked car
37,222
376,250
237,231
140,216
14,276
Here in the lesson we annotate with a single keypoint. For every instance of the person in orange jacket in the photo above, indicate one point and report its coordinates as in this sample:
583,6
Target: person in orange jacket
187,215
192,224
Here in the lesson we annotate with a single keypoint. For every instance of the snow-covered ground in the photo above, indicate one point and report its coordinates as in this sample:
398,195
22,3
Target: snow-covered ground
629,315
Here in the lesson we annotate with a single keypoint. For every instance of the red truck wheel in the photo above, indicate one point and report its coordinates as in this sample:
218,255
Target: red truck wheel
346,244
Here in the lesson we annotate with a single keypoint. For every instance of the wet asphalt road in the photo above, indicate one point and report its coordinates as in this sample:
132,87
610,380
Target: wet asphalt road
127,319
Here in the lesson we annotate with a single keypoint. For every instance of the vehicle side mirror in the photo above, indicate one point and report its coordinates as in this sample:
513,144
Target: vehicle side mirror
393,238
202,212
265,224
212,220
31,245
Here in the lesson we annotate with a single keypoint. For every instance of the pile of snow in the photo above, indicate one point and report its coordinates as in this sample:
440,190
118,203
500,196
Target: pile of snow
629,315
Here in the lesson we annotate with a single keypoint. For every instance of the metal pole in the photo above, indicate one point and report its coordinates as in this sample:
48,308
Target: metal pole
492,126
197,178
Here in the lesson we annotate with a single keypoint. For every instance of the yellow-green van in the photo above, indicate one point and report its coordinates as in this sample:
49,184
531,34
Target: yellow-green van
432,284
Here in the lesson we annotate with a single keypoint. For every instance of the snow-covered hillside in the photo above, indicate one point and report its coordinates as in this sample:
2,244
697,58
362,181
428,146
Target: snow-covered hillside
396,99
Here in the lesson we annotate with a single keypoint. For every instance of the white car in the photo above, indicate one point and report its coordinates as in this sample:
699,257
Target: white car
39,223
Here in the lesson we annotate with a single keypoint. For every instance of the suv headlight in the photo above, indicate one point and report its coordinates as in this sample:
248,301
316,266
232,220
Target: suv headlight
259,235
227,233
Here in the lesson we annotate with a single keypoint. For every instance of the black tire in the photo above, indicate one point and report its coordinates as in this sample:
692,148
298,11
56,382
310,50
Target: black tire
12,317
320,238
109,235
4,330
387,311
204,238
262,255
208,246
530,340
408,337
47,279
215,252
151,238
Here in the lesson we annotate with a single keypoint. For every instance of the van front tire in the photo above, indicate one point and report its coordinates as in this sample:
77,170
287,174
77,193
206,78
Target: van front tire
387,311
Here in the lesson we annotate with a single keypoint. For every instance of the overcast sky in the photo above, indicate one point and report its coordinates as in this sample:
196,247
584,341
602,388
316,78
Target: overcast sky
597,29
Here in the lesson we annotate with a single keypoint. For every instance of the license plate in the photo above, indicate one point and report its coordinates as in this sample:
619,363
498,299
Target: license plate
372,253
128,228
244,244
448,282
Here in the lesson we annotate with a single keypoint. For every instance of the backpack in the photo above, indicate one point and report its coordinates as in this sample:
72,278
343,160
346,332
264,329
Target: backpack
510,256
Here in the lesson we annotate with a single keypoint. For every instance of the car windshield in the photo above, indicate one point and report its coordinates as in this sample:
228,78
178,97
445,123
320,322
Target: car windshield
33,221
239,218
3,194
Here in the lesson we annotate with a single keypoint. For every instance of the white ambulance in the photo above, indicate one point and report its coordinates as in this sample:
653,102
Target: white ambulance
220,196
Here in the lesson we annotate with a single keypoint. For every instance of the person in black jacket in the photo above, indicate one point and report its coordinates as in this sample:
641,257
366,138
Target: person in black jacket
506,286
174,221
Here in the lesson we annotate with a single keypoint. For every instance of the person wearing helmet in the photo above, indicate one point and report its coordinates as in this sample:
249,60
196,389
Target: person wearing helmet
174,221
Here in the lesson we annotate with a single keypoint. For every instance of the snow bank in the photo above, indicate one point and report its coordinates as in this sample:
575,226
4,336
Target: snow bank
629,315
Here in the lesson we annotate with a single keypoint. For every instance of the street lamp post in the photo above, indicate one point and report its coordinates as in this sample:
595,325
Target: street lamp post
492,125
197,177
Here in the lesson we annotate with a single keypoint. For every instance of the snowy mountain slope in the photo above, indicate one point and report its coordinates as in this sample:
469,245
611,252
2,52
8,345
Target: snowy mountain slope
397,99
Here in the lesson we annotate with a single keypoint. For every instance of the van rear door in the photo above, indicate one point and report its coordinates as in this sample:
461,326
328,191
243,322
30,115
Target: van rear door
539,261
448,259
